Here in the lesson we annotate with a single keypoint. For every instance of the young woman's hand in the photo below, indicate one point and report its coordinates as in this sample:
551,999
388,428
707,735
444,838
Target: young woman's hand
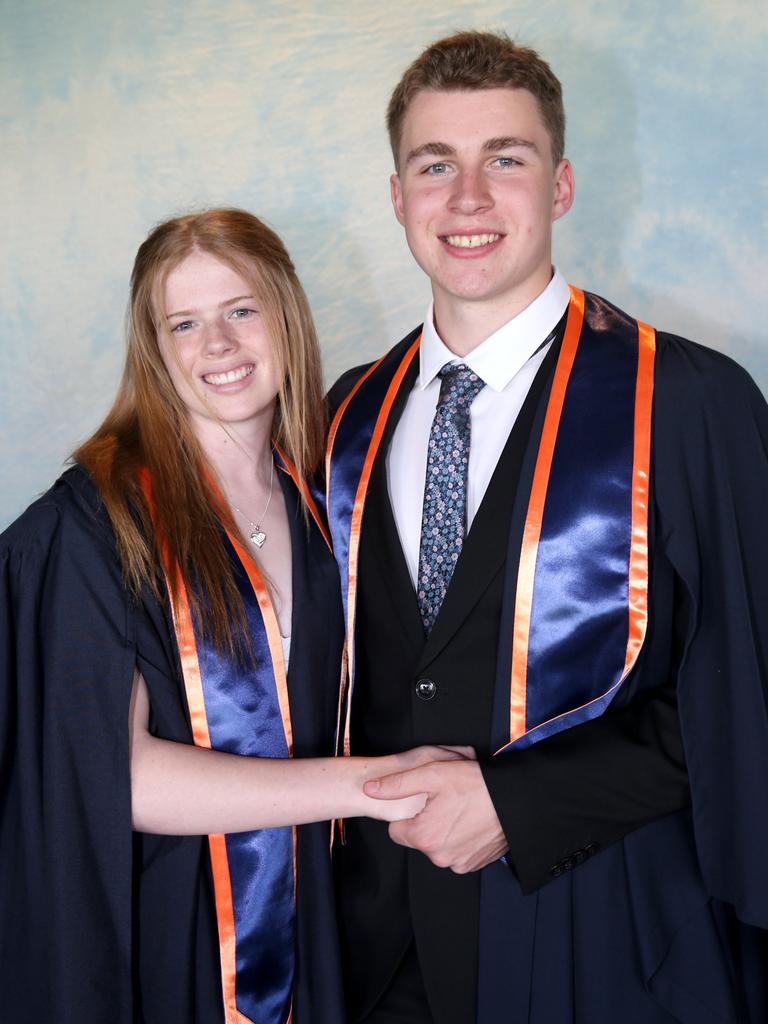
410,806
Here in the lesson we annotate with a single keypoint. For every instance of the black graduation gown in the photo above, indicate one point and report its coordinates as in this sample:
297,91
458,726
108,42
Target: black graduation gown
98,923
669,921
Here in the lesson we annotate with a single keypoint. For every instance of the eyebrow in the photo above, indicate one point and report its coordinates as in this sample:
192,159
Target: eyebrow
221,305
509,142
490,146
430,149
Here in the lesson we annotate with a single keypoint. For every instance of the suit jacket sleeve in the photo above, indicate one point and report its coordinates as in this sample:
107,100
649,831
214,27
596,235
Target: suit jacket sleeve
563,799
66,672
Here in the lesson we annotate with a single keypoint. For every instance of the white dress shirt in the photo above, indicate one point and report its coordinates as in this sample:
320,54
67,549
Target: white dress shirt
507,361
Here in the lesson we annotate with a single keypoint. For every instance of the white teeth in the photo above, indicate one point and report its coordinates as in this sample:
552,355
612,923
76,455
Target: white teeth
470,241
230,377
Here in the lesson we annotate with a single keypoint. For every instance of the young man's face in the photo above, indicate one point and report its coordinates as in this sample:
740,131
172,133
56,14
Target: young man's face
477,194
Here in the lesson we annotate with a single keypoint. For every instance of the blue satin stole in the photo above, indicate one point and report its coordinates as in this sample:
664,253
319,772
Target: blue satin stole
580,597
242,708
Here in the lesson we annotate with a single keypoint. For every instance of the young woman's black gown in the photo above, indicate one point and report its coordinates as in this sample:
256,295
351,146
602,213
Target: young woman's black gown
98,923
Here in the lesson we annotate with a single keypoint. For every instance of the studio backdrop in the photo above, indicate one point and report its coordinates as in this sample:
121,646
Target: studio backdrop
115,116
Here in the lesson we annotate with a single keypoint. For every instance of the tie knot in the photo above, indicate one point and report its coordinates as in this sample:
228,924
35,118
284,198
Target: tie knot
459,386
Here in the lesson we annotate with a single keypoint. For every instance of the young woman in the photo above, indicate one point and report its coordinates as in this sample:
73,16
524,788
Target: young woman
174,591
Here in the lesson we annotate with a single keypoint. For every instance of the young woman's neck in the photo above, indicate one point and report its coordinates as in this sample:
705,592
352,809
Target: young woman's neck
240,454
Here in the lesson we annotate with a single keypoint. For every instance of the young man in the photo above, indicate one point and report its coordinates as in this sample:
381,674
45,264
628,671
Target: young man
548,520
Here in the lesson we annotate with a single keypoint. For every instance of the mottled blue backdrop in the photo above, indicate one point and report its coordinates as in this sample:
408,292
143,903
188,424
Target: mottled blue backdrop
115,116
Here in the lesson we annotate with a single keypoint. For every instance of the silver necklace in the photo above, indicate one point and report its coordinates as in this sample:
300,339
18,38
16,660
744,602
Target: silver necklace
257,536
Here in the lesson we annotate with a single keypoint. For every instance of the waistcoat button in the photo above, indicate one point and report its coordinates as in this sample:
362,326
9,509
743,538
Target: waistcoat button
426,689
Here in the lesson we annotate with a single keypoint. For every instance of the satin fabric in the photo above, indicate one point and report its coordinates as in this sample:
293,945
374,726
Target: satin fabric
353,440
240,705
244,717
588,609
581,639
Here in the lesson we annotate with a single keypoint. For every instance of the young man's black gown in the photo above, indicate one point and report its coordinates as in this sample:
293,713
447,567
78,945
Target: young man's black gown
637,884
98,924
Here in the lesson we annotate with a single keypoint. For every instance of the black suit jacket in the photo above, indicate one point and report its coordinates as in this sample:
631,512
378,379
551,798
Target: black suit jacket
557,801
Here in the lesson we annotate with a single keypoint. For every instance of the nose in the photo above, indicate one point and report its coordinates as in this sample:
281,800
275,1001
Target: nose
218,339
470,192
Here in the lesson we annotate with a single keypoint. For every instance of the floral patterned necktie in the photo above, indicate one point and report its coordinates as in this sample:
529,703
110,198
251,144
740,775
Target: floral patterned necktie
444,515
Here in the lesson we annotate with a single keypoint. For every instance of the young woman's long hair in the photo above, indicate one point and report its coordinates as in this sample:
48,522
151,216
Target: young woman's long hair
148,425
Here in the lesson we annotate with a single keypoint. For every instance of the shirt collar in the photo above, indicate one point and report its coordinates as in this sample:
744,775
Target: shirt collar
503,353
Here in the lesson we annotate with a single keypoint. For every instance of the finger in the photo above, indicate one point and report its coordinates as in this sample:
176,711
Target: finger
403,810
400,833
396,786
425,755
447,752
467,753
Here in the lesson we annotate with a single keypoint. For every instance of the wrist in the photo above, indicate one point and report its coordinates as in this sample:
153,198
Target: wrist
358,771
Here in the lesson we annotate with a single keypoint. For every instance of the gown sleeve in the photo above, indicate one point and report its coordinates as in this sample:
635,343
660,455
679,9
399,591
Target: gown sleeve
711,452
66,667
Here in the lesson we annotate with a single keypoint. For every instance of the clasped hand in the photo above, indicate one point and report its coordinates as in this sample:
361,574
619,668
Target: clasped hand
458,827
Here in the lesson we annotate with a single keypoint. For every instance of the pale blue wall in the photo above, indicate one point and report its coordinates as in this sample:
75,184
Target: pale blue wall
116,115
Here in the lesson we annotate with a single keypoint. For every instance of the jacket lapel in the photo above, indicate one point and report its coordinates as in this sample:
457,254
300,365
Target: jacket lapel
380,529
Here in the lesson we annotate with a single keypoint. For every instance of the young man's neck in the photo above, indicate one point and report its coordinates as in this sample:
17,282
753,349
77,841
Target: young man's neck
463,324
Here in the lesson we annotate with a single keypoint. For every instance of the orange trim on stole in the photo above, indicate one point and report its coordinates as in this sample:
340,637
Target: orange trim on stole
271,625
343,681
303,488
272,629
533,522
337,419
641,470
638,555
190,667
357,513
328,452
193,685
222,885
306,494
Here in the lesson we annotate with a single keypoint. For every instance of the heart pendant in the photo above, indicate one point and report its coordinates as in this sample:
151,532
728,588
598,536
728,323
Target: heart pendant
258,537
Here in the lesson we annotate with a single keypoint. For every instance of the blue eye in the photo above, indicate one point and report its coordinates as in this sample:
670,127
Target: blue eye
507,161
182,327
241,313
439,168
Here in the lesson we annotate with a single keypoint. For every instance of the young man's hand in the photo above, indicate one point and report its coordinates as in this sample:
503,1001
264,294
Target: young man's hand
458,828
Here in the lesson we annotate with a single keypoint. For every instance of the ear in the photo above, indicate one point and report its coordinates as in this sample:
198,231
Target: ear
396,193
564,190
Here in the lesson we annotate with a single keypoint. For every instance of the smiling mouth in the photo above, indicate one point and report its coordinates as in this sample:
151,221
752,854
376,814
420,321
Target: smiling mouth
231,376
470,241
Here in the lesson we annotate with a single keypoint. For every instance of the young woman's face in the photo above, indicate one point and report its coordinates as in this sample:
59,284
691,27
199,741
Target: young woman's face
223,368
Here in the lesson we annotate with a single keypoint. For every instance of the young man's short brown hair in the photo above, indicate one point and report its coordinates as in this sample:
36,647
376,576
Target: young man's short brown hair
480,60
